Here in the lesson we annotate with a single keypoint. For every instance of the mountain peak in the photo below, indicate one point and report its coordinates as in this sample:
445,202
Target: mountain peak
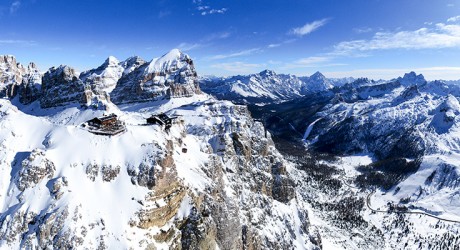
9,59
111,60
173,59
172,54
317,83
317,75
267,72
411,78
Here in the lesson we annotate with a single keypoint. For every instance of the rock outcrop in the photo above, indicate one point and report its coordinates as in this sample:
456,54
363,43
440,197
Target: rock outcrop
34,169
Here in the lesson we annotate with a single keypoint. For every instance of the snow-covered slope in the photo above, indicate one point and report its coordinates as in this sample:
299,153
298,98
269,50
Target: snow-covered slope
214,180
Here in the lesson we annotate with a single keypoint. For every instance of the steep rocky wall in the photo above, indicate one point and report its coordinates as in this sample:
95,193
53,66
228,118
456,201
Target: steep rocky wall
61,86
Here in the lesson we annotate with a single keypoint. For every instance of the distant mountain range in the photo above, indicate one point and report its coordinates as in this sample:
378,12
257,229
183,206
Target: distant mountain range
267,86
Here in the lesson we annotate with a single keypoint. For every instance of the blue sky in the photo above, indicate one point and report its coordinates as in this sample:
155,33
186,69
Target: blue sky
370,38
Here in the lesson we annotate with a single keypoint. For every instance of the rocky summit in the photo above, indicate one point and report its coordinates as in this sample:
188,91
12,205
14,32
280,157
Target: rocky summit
170,76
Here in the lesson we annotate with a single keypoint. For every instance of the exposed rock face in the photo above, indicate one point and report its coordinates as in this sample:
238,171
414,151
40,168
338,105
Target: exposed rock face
172,75
61,86
10,76
34,169
15,78
244,164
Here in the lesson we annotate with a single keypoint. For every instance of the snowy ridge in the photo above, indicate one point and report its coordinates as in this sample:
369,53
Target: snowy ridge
267,86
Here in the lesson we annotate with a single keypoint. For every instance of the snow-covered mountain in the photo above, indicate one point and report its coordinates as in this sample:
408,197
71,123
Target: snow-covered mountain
172,75
316,83
213,180
267,86
412,78
377,169
400,141
411,130
106,76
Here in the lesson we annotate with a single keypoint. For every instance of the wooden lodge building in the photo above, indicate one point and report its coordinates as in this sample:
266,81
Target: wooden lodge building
105,121
106,125
162,120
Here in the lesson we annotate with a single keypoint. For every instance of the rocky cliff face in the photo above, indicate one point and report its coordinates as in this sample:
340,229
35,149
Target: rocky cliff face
10,75
61,86
133,80
15,78
172,75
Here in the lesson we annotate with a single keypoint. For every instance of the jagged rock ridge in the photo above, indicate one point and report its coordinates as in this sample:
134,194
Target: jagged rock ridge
15,78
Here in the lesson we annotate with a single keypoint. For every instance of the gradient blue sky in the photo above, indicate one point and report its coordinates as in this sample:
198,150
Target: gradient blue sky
371,38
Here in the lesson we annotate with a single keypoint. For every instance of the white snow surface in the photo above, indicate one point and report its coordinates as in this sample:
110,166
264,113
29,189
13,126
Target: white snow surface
105,209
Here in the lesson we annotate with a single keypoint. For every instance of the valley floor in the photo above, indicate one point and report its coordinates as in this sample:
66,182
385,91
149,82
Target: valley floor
349,217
